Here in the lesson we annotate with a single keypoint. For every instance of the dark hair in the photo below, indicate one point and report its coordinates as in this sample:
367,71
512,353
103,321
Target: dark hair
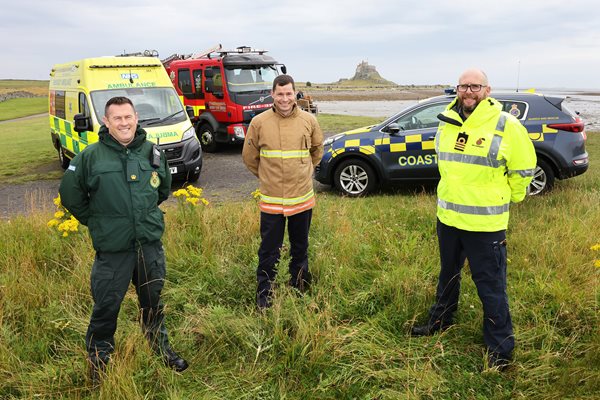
282,80
119,100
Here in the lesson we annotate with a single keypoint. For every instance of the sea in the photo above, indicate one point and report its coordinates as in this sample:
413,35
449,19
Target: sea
585,103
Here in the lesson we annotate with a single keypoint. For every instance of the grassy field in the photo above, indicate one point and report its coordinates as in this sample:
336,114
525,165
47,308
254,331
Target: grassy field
32,156
375,264
17,108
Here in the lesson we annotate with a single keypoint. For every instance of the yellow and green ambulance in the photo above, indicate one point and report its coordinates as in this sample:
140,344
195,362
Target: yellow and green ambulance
79,91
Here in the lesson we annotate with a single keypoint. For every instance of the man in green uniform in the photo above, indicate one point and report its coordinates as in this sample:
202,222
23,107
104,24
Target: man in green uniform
114,187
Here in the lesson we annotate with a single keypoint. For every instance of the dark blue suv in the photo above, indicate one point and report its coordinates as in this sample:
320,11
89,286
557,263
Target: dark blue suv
401,149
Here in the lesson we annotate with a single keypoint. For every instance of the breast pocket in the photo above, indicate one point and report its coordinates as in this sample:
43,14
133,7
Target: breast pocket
305,148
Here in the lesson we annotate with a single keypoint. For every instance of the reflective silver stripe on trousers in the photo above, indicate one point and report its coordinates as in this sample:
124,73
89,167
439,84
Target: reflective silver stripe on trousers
473,210
523,172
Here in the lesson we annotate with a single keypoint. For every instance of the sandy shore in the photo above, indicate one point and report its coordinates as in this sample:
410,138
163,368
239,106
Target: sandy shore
370,94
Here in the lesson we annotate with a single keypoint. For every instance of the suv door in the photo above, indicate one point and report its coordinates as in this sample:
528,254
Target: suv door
411,151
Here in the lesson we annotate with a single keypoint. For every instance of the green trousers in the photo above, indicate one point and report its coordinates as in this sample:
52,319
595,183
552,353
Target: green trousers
144,266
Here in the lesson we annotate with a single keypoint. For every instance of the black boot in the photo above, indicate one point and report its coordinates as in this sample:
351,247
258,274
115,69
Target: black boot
173,360
498,361
428,329
97,367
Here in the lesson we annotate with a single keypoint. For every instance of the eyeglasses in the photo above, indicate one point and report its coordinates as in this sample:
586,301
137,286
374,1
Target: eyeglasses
474,88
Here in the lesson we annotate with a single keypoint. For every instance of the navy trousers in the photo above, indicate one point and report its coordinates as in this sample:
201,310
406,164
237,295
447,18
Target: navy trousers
111,275
486,252
272,228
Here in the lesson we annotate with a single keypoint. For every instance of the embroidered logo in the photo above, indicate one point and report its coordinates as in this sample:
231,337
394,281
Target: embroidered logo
514,111
479,142
154,180
461,141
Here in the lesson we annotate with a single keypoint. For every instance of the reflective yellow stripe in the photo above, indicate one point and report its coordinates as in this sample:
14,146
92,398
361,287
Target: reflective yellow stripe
287,201
284,153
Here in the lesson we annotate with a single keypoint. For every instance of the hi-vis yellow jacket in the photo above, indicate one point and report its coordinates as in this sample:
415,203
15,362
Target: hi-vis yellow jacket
282,152
485,163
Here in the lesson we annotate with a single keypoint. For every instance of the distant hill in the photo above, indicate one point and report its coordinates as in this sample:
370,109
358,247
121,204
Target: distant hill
366,75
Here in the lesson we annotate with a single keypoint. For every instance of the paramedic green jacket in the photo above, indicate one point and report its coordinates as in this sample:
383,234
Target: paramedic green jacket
115,191
485,163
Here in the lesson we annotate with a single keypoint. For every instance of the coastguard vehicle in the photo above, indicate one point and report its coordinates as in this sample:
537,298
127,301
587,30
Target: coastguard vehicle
402,149
79,91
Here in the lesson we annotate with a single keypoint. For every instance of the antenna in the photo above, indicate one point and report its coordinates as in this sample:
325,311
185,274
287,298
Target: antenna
518,74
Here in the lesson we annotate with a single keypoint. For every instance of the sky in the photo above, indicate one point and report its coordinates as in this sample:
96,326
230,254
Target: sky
529,44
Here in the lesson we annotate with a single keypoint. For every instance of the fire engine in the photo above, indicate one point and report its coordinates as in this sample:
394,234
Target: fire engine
225,88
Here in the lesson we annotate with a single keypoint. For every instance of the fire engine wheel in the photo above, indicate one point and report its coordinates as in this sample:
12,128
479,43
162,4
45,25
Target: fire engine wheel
62,158
355,178
206,135
543,179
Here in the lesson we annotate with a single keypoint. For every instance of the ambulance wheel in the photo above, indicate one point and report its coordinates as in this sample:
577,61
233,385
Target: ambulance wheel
62,158
193,176
543,179
206,135
355,178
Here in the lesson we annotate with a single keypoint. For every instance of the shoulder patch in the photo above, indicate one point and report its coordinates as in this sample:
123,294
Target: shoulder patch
71,167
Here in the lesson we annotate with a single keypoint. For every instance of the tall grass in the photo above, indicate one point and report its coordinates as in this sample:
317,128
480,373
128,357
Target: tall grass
375,265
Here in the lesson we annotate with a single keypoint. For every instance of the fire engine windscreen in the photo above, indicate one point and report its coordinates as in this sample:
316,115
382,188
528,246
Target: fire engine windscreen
151,104
250,79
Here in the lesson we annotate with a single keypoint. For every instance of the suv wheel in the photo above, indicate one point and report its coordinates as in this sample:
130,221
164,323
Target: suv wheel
206,135
355,178
543,178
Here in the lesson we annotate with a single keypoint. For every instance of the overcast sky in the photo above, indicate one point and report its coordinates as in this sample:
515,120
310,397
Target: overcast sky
535,43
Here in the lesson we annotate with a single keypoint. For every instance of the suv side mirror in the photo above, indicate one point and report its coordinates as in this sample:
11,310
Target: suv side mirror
393,128
82,123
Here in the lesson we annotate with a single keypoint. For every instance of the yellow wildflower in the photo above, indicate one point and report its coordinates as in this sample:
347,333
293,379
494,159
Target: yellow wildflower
595,247
52,223
597,263
192,200
256,194
180,192
194,191
204,201
57,202
59,214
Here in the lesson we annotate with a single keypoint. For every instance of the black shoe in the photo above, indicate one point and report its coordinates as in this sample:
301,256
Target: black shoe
499,361
263,302
97,368
174,361
428,330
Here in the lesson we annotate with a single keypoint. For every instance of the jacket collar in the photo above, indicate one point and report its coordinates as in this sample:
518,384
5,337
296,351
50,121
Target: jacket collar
487,109
106,138
291,114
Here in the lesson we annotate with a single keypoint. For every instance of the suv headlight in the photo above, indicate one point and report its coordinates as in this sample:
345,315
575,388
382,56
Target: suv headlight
190,133
332,139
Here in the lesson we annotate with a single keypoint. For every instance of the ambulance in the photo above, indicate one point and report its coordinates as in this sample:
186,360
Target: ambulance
79,91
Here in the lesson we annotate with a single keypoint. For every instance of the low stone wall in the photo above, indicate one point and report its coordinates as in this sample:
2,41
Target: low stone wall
19,94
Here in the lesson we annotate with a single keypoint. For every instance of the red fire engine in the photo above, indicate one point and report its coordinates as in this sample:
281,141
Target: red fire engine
225,88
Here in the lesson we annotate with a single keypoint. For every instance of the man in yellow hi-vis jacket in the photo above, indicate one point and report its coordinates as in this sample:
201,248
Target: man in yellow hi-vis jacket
282,147
486,161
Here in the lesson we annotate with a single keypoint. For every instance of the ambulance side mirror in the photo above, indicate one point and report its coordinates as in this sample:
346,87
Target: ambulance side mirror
189,110
82,123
